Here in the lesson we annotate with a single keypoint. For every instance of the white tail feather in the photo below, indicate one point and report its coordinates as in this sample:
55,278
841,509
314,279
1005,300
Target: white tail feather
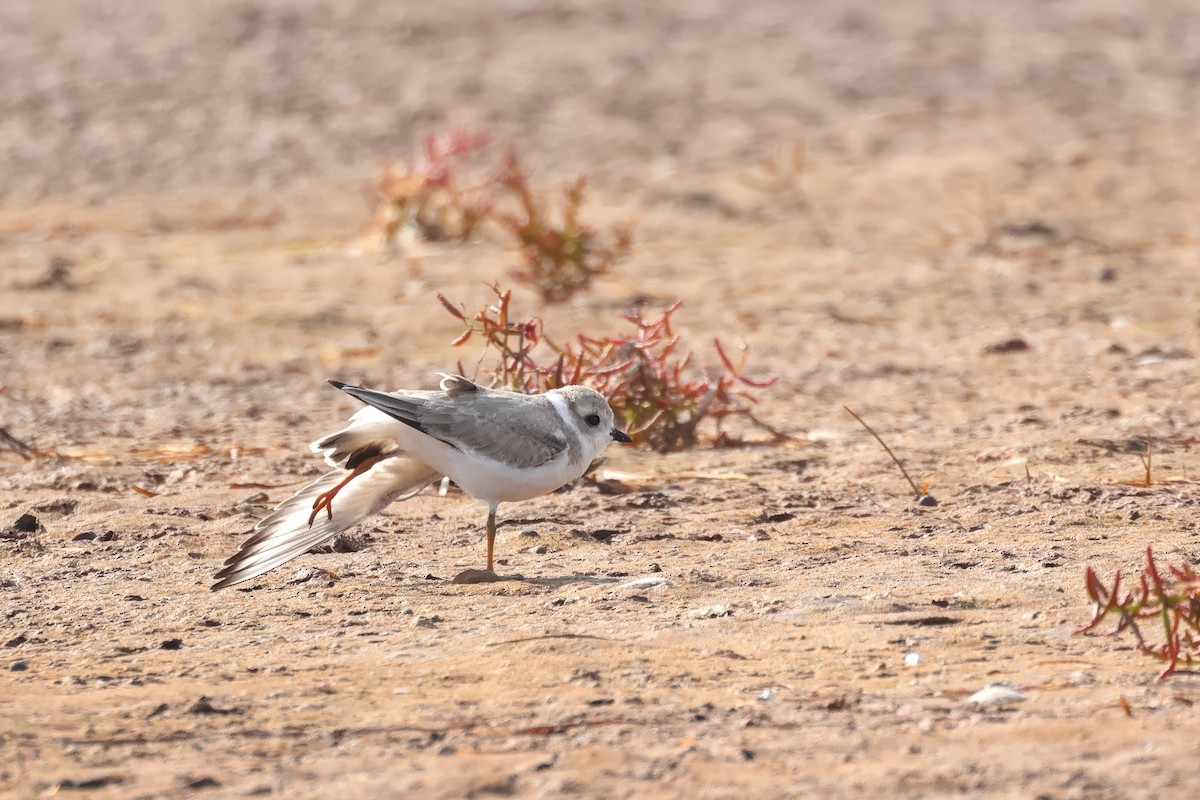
285,533
367,427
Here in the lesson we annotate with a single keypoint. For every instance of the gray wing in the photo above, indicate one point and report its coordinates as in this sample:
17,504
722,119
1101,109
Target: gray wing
523,430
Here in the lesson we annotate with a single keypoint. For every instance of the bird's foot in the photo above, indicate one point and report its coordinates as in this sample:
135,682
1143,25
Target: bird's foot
324,501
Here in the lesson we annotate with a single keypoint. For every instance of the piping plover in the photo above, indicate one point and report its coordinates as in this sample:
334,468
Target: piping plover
497,446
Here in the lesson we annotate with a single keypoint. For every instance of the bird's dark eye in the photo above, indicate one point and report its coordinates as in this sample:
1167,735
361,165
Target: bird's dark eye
592,419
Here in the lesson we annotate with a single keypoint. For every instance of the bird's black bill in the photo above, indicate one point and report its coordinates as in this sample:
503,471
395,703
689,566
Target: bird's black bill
620,436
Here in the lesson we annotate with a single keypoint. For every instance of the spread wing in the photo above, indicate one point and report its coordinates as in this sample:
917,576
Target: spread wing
523,430
285,533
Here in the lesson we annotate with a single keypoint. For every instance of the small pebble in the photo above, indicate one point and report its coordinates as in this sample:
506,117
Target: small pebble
1013,345
172,644
711,612
469,576
912,659
303,575
765,696
345,543
200,783
645,583
18,666
27,523
539,549
1081,678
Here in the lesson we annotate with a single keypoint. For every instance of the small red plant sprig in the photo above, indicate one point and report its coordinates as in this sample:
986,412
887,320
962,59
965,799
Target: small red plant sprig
423,192
559,259
511,341
1174,603
655,388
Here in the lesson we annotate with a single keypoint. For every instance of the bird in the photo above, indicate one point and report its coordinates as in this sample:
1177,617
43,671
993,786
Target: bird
499,446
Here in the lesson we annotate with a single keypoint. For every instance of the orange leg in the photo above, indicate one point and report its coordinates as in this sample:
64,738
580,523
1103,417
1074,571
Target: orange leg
491,534
325,499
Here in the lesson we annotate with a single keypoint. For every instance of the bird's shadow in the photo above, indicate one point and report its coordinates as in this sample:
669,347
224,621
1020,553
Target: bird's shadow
471,576
566,580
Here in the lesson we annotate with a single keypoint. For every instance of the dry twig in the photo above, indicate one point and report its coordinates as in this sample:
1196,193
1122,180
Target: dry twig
917,493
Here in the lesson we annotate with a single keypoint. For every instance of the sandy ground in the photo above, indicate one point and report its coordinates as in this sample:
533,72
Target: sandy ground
182,187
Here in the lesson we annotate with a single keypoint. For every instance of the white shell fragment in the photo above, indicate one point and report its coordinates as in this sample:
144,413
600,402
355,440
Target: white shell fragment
996,694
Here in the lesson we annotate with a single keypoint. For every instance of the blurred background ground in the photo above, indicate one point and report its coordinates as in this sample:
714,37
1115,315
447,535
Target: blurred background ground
183,188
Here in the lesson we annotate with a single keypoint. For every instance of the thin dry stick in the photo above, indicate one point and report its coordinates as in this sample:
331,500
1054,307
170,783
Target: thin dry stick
883,444
551,636
16,445
1146,459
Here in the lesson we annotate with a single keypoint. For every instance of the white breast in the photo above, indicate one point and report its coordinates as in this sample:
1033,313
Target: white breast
493,482
484,478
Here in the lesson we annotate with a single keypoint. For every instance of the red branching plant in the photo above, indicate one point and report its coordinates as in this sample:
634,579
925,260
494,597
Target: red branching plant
655,387
560,255
423,193
560,259
1173,603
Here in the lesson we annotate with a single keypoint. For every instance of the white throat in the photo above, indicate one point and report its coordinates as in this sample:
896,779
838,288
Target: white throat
564,411
592,444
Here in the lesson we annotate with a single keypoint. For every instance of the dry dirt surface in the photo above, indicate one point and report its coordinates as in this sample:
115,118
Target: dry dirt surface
991,256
